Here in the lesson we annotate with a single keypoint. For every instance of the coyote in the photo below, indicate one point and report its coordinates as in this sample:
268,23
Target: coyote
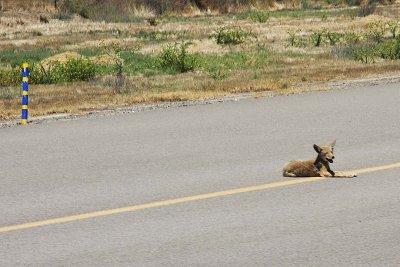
316,168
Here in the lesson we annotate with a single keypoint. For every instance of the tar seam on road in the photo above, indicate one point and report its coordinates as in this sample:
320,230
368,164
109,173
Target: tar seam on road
181,200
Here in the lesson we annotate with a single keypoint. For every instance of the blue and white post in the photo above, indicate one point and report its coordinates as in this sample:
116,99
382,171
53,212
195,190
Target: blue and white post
25,78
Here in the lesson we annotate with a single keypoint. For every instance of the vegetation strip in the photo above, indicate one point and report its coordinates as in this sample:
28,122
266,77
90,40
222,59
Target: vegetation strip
154,51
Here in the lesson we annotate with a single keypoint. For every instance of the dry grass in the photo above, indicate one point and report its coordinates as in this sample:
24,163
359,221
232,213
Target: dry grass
289,70
31,5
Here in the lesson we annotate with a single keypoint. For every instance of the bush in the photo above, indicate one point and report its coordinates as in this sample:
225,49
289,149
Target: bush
317,38
70,71
78,70
390,50
9,77
334,37
296,41
365,54
376,31
77,7
259,16
176,57
231,35
217,73
352,38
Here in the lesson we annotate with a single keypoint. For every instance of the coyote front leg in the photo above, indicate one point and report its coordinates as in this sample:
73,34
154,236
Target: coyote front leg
344,175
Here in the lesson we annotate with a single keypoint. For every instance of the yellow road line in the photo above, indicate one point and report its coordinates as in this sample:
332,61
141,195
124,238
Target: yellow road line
180,200
378,168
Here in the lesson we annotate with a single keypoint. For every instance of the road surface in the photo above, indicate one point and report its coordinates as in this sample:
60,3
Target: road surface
98,166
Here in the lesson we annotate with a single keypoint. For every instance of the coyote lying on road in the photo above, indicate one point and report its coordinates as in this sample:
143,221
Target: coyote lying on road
315,168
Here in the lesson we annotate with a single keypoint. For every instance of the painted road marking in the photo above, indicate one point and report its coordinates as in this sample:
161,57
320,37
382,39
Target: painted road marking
181,200
378,168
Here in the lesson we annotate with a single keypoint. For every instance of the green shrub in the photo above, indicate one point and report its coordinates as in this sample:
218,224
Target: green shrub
176,57
376,31
333,37
296,41
390,50
41,75
254,15
292,38
77,70
10,77
365,54
352,38
231,35
217,73
259,16
317,38
56,72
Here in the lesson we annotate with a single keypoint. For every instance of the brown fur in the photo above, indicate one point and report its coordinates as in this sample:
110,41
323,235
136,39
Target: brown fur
316,168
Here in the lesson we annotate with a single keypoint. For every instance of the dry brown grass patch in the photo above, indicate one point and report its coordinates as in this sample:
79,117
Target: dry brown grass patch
31,5
288,69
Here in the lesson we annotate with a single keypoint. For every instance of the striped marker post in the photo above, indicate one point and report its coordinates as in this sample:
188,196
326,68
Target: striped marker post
25,78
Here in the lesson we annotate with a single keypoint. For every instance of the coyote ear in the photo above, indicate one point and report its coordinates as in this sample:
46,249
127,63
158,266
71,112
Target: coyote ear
333,144
317,148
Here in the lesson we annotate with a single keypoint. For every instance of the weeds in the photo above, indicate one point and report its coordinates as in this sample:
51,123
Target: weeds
296,41
217,73
259,16
69,71
333,37
352,37
390,50
9,77
231,35
317,38
365,54
176,57
130,77
159,36
376,31
292,38
256,16
115,51
393,26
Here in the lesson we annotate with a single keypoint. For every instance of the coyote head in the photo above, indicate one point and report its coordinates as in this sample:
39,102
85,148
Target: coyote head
325,153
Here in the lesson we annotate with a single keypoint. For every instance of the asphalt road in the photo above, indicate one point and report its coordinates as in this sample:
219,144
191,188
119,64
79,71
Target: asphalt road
72,167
